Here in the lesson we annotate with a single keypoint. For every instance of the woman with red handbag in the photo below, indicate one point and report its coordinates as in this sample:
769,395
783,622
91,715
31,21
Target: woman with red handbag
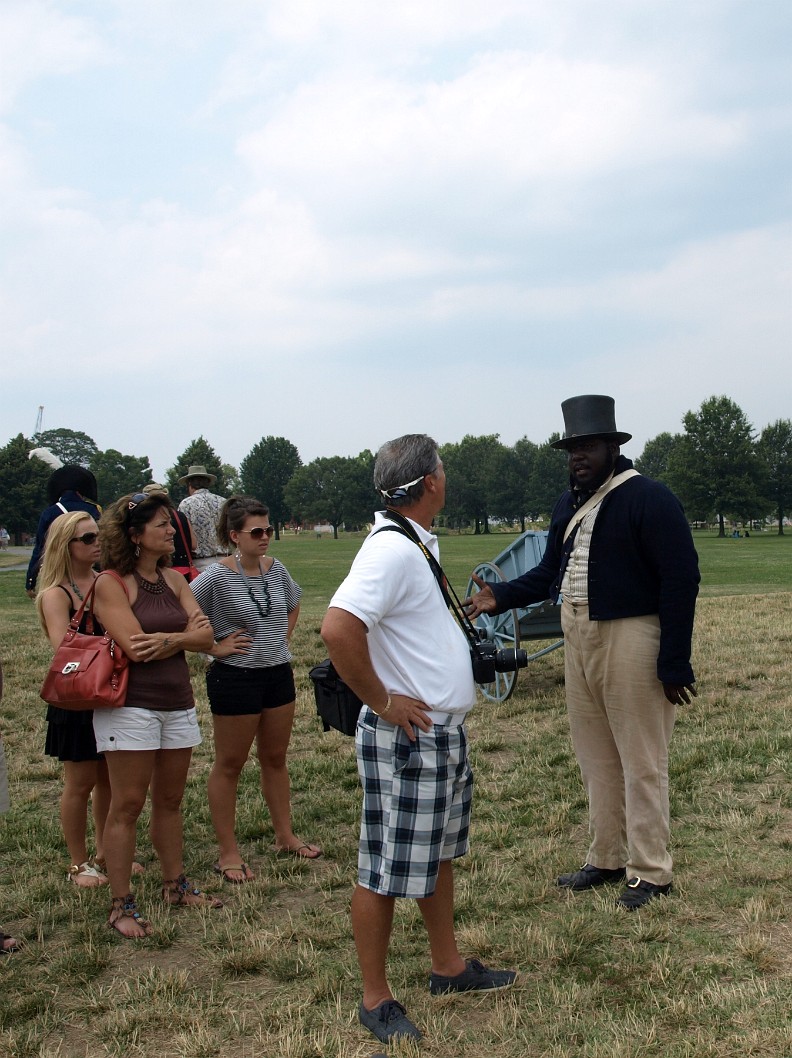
66,576
149,610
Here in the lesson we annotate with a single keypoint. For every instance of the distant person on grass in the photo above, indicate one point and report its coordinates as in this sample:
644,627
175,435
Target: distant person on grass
69,488
620,555
203,507
393,640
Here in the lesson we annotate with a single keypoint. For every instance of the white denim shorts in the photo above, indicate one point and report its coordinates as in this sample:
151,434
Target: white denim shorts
137,729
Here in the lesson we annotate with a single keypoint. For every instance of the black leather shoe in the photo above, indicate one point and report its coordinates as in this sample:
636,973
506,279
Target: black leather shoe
638,893
589,877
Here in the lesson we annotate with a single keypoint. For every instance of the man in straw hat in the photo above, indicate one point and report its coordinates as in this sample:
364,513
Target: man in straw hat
202,508
620,556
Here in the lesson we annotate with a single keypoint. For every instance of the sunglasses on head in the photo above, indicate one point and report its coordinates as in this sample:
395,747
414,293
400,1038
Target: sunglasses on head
258,532
86,538
139,497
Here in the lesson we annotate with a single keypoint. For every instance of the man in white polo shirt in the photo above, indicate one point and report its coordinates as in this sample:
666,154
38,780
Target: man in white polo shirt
393,640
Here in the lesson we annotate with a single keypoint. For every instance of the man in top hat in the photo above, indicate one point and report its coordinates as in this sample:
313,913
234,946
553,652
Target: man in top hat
620,556
202,508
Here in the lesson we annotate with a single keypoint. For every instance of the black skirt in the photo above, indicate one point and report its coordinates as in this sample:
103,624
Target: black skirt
70,735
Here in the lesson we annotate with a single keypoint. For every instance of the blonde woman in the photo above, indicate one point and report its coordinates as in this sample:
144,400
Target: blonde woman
150,611
65,578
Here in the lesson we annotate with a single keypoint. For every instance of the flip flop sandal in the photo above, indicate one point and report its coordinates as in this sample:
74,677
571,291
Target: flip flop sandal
297,851
186,894
222,870
125,907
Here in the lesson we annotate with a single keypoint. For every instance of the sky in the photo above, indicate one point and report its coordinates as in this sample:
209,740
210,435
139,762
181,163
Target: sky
338,222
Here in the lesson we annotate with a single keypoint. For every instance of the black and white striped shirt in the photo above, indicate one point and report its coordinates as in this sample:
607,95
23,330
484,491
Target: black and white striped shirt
223,596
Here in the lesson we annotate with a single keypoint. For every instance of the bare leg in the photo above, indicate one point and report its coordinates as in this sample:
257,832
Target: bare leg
272,742
79,778
438,916
130,775
372,921
100,805
233,737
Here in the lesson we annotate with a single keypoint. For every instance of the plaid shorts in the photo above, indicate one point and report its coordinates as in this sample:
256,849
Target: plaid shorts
416,804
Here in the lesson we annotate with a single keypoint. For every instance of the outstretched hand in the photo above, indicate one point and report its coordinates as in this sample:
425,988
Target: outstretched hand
482,602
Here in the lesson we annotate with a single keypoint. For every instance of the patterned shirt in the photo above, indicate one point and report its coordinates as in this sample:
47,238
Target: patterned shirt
260,604
203,510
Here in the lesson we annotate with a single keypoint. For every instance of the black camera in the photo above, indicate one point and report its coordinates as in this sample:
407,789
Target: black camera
487,659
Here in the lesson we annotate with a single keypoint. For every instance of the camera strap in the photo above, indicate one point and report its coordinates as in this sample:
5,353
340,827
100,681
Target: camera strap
450,597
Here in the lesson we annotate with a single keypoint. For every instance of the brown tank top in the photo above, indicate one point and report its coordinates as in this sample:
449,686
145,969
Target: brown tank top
161,684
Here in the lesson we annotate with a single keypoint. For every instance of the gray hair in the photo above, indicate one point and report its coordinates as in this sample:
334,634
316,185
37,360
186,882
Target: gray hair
401,466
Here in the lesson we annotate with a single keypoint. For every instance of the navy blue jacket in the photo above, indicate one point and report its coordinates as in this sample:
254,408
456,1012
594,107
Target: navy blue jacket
642,561
72,501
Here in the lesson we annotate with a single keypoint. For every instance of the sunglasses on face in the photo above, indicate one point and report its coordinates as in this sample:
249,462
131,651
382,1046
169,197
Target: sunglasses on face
258,532
86,538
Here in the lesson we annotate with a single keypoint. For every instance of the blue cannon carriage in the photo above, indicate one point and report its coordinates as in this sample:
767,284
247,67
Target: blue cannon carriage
513,628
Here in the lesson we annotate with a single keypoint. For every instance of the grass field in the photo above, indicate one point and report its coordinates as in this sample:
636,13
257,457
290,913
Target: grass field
705,973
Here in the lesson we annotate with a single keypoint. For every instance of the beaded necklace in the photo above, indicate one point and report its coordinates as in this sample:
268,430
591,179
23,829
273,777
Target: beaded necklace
264,614
157,588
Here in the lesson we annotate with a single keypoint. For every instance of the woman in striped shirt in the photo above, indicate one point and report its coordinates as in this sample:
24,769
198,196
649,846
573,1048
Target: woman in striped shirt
253,605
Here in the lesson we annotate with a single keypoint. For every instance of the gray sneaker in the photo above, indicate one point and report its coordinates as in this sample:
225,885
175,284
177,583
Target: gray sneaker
475,977
388,1021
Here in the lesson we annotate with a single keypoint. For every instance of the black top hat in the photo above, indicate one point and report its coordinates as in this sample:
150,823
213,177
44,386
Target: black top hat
591,415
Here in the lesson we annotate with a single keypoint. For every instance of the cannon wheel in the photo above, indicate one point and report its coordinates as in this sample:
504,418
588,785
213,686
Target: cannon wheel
501,629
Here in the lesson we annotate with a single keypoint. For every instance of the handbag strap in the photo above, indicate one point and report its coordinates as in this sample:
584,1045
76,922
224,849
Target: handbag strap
183,535
74,624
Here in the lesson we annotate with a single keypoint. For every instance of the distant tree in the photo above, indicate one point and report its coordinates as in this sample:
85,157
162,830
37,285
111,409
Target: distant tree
233,482
23,487
549,479
715,469
332,490
72,446
656,456
775,451
266,471
523,463
117,474
198,453
472,468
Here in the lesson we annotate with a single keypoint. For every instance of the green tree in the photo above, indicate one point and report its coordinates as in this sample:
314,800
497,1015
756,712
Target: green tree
775,451
266,471
233,482
472,471
715,469
656,456
72,446
549,478
23,487
197,453
117,474
331,490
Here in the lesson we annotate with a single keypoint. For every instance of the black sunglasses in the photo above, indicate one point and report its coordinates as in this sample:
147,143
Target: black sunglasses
139,497
86,538
259,531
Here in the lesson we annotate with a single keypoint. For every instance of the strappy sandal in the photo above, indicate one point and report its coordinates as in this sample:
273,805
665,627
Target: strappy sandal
186,895
125,907
89,871
9,949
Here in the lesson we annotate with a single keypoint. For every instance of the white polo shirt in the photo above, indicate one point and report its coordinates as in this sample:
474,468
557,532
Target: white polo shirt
416,646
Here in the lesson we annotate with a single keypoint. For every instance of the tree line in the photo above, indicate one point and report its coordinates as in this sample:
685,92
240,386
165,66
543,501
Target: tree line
719,466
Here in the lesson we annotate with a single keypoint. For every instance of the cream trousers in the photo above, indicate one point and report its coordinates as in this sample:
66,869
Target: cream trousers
621,725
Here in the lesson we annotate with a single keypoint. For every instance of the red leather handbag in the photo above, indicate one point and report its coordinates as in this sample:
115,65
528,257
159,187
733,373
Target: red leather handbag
87,672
